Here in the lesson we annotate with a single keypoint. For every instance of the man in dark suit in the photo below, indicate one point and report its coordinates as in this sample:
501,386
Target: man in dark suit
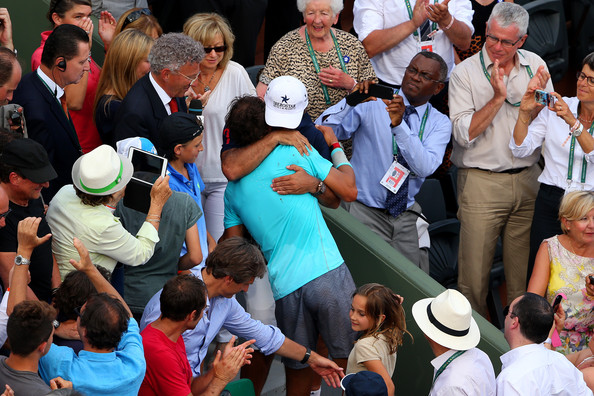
175,64
64,60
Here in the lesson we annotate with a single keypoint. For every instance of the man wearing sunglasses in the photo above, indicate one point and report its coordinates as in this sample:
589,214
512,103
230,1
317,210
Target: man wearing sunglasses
496,192
410,133
174,60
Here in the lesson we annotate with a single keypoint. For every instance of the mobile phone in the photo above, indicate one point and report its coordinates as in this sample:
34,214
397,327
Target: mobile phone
591,280
557,302
544,98
377,90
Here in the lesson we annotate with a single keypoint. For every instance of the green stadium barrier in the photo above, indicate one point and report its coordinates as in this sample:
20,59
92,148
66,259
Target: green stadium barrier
370,259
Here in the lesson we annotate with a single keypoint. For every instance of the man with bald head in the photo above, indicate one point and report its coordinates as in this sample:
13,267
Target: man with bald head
10,74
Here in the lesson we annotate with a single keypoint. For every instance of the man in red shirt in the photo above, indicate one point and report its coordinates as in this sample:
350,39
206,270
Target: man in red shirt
167,368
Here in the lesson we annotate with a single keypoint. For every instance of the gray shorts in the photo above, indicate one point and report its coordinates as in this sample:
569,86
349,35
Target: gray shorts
320,307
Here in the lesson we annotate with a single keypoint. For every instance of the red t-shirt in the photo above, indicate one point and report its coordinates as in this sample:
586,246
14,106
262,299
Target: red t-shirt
83,119
167,369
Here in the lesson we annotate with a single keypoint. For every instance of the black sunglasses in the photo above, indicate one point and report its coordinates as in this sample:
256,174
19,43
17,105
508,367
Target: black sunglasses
133,16
3,215
220,48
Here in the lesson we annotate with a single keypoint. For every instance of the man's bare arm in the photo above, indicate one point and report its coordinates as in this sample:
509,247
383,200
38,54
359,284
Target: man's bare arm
384,39
238,162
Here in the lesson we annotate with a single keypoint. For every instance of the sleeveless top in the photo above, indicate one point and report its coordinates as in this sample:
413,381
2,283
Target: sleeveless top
568,273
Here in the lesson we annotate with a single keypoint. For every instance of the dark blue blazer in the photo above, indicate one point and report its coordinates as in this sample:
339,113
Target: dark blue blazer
48,125
142,113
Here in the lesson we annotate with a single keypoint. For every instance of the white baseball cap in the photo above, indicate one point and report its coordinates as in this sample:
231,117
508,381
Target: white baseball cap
286,99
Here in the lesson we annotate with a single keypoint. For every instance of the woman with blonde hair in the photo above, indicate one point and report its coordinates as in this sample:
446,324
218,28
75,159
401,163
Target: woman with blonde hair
220,81
125,62
563,266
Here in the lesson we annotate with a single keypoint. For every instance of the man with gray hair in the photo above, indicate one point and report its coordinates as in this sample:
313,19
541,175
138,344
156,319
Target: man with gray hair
496,191
175,64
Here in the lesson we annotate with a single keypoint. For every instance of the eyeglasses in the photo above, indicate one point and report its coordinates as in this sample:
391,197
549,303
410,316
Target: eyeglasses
581,75
507,311
77,311
3,215
191,79
220,48
414,71
504,43
133,16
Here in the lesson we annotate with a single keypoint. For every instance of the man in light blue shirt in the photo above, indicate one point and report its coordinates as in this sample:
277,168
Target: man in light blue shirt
231,268
380,135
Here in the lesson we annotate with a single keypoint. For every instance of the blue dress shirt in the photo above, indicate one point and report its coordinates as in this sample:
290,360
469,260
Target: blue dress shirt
369,125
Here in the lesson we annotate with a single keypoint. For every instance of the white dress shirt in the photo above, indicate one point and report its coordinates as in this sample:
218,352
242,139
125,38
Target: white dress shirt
370,15
550,129
162,94
53,87
535,370
469,374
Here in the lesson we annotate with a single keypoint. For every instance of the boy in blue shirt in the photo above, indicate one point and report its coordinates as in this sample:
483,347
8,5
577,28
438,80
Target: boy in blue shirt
181,142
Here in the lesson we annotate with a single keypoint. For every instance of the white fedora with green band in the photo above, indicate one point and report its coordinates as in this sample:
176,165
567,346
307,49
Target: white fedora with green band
101,172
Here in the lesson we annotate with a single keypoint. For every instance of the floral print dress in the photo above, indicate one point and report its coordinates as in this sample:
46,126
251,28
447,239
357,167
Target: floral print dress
568,273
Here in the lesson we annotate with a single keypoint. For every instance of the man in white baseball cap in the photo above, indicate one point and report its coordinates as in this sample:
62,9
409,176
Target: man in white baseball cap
452,333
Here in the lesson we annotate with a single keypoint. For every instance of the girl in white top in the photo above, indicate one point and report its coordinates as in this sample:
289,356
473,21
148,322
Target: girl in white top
220,81
377,312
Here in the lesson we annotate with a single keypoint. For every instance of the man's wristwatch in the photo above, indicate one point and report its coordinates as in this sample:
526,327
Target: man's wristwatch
56,324
20,260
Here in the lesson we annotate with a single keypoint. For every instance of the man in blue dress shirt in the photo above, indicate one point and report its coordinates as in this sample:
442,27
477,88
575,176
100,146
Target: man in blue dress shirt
407,138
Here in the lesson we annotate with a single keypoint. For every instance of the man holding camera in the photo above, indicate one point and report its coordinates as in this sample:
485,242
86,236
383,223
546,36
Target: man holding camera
496,191
409,134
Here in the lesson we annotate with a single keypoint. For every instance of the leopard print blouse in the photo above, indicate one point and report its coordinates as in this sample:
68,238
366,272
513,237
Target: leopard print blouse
290,57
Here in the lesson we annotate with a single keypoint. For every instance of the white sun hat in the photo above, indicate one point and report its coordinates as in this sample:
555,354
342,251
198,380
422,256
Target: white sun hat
447,320
102,171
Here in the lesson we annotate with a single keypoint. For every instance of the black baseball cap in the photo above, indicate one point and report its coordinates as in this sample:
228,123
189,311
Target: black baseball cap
364,383
179,128
30,159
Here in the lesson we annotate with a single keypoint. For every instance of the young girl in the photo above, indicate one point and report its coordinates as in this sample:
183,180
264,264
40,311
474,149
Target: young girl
376,311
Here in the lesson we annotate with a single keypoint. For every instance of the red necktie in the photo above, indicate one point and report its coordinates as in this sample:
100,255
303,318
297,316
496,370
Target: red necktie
173,106
64,105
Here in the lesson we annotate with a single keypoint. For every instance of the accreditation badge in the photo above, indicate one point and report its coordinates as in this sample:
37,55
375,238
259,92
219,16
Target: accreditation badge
394,177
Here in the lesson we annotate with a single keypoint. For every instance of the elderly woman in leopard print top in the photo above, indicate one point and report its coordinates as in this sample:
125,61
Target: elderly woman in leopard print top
328,61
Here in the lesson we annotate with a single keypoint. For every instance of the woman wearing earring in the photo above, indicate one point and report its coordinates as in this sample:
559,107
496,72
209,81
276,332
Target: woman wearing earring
563,130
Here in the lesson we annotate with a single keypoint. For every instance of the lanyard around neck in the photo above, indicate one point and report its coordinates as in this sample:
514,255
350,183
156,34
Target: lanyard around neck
421,129
316,65
528,69
445,365
571,158
410,15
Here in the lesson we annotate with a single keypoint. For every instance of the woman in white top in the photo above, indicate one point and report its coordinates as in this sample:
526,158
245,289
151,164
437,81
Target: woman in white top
564,131
220,81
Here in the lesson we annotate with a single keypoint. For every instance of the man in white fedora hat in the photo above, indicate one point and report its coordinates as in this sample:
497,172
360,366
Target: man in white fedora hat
459,367
530,368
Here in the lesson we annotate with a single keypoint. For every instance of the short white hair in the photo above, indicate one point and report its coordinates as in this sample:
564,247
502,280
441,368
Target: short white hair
335,5
507,14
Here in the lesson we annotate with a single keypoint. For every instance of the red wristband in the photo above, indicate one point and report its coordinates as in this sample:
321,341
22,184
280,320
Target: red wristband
334,146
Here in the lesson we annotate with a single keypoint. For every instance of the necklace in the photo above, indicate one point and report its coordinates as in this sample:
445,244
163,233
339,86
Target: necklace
206,86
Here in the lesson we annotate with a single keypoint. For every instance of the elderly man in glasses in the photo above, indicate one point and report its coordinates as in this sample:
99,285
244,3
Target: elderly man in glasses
496,191
175,64
403,142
